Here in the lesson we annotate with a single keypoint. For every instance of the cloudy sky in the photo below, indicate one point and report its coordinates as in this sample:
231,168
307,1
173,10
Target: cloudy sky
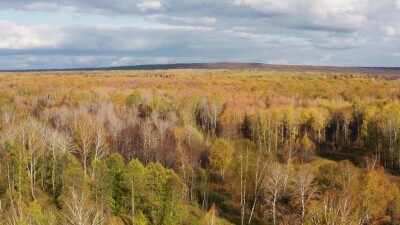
96,33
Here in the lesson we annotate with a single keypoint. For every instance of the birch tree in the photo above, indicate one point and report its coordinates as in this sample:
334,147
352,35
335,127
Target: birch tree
58,144
84,136
100,145
80,210
304,190
30,140
275,187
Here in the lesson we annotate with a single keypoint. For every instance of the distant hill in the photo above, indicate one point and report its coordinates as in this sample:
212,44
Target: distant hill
241,66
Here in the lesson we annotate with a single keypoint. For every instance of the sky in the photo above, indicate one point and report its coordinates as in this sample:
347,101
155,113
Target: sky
48,34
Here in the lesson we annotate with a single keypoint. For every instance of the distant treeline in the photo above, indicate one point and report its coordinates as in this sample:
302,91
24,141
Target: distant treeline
377,71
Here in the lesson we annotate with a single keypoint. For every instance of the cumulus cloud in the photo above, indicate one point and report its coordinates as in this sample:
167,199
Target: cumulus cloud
94,37
306,13
13,36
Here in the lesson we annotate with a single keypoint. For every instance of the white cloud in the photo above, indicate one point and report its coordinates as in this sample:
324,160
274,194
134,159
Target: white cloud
16,37
345,12
150,5
93,37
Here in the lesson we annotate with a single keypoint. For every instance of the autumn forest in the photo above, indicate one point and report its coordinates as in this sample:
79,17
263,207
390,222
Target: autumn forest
207,147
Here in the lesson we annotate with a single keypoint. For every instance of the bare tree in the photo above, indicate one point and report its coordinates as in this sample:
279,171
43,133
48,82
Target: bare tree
113,124
16,215
209,112
84,135
243,183
150,140
30,140
80,212
337,209
162,127
304,189
260,180
275,186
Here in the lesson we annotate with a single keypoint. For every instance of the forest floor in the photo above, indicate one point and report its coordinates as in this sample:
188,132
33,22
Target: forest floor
357,156
354,155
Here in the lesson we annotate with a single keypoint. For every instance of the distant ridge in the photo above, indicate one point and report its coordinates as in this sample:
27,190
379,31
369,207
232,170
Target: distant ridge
238,66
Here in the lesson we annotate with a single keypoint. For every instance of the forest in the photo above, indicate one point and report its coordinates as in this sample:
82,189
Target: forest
195,146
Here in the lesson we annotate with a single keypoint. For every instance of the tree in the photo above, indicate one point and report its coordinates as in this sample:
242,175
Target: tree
84,135
220,157
275,187
204,187
347,118
307,147
211,218
368,117
58,144
229,123
29,140
150,140
81,211
290,125
319,120
209,112
162,127
100,145
134,180
192,136
164,196
304,190
290,121
261,176
336,209
39,216
73,177
115,164
389,125
376,195
244,165
262,131
356,108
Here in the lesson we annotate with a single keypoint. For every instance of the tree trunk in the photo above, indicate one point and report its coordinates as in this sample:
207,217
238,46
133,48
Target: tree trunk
133,202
